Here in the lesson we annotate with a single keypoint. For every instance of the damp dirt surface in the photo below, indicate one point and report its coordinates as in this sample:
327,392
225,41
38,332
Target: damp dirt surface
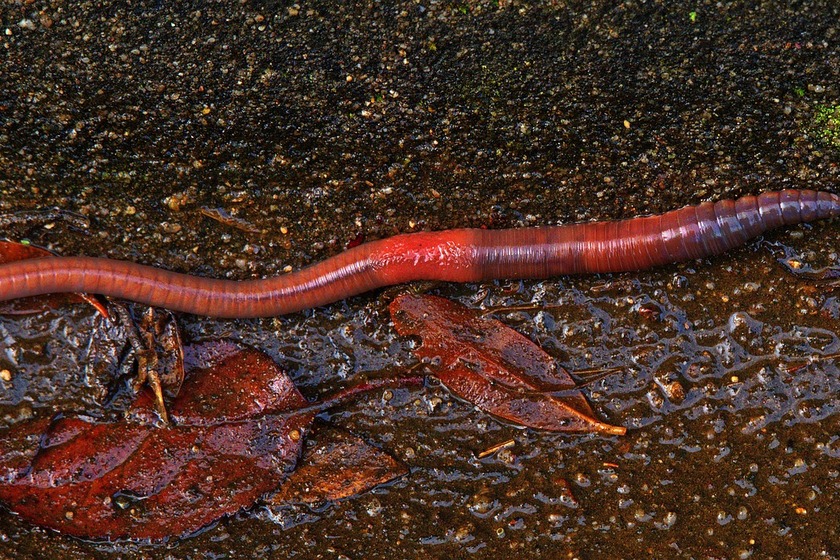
315,125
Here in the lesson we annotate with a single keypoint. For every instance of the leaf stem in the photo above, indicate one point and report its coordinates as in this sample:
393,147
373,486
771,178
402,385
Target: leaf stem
353,391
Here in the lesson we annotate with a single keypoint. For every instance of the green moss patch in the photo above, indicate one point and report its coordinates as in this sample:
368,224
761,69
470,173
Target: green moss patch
827,125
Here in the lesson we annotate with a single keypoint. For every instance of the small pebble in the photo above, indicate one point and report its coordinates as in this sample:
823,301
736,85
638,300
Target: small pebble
481,503
374,507
462,534
675,391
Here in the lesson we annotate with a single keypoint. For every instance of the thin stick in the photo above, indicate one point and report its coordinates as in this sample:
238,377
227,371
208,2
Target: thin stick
496,448
42,217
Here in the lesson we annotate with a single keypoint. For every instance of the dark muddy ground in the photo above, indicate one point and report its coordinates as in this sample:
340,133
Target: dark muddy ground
320,123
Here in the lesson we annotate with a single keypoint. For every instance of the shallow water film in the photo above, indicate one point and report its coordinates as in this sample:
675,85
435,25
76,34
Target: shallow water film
246,139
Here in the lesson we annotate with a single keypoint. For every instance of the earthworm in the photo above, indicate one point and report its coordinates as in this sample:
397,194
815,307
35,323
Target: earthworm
457,255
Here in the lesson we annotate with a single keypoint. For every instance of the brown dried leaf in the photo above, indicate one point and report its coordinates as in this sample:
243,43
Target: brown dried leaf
335,465
161,333
494,367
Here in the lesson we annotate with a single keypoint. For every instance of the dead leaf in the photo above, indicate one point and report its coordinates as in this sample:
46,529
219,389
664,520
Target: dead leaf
494,367
135,480
156,341
336,465
161,333
238,430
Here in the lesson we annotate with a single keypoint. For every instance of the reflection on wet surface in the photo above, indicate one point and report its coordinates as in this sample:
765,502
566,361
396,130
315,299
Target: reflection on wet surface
727,385
319,123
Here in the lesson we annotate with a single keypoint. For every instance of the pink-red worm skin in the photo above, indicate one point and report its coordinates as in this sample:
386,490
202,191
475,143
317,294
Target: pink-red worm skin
458,255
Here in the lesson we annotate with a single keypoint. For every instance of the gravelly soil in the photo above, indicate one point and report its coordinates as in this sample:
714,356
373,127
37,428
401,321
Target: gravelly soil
323,123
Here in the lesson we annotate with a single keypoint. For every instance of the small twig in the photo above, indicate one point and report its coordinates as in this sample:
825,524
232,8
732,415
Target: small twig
789,368
348,393
495,448
523,307
41,217
225,218
586,377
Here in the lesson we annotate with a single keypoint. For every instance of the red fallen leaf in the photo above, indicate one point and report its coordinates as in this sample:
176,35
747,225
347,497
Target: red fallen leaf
226,383
134,480
494,367
335,466
18,448
11,251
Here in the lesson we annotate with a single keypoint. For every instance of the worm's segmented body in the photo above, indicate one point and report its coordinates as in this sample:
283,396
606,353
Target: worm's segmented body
459,255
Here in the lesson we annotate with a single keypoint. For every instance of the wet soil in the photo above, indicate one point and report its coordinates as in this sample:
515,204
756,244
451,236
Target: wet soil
319,124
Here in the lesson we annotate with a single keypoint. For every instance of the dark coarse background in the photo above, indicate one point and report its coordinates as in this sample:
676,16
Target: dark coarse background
321,123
